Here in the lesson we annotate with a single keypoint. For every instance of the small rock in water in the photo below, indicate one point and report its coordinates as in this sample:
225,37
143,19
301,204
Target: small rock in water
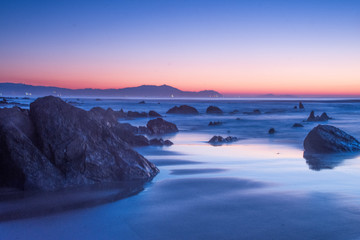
219,140
329,139
301,106
271,131
295,107
254,112
296,125
160,142
142,102
234,112
215,123
154,114
183,109
213,110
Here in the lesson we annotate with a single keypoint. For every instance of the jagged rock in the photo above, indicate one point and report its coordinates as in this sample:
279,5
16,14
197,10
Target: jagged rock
219,140
312,118
296,125
215,123
271,131
301,106
183,109
131,114
160,126
254,112
160,142
213,110
56,145
329,139
154,114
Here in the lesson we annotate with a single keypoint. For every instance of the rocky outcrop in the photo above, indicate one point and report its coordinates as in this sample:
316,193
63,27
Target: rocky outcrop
160,126
154,114
131,114
219,140
56,145
160,142
312,118
297,125
213,110
329,139
183,109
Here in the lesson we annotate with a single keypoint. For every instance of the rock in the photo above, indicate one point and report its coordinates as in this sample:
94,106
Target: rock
131,114
3,101
219,140
297,125
142,102
160,126
160,142
238,119
271,131
301,106
218,123
234,111
213,110
183,109
312,118
154,114
295,107
56,145
329,139
254,112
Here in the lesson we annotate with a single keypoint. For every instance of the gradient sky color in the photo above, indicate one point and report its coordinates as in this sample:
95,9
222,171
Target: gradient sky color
281,47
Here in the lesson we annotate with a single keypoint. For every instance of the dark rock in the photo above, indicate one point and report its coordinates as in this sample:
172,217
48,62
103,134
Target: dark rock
143,130
238,119
296,125
312,118
142,102
295,107
215,123
160,126
131,114
154,114
301,106
160,142
219,140
3,101
98,99
329,139
234,112
254,112
271,131
57,145
183,109
213,110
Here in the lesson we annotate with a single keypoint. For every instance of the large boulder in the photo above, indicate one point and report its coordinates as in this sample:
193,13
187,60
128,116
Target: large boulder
329,139
160,126
213,110
183,109
56,145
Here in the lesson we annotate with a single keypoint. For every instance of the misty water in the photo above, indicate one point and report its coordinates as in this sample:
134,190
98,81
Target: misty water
259,187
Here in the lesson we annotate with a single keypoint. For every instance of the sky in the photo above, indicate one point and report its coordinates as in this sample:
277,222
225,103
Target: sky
234,47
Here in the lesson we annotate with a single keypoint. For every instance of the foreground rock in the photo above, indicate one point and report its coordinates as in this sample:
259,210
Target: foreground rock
183,109
219,140
312,118
56,145
329,139
214,110
160,126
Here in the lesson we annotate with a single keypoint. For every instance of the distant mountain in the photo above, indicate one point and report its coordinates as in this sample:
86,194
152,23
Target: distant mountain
163,91
270,95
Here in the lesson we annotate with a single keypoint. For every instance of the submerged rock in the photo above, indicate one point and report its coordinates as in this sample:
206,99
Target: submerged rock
160,126
213,110
183,109
254,112
329,139
297,125
219,140
234,111
312,118
160,142
56,145
142,102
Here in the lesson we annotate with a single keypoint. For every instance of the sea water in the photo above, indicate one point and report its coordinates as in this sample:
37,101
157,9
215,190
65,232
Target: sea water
259,187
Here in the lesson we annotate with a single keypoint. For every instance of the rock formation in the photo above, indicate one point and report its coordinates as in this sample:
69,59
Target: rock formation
160,126
183,109
219,140
213,110
312,118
